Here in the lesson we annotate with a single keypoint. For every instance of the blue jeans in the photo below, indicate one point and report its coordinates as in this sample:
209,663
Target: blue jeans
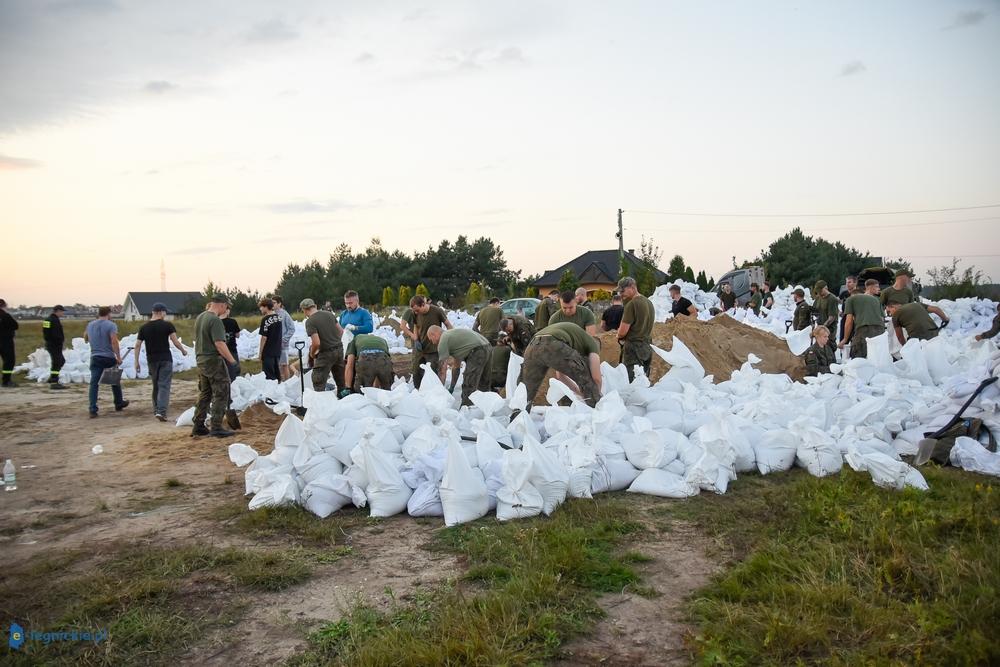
161,373
97,366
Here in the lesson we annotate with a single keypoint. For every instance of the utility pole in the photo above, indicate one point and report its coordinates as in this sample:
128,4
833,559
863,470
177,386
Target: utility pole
621,239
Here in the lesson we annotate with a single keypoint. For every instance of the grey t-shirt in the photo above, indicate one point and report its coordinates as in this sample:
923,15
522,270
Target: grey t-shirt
287,327
99,334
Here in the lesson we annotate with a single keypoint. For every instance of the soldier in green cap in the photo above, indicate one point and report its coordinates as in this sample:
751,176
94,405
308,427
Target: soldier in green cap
212,357
827,309
635,333
517,331
863,320
900,291
802,318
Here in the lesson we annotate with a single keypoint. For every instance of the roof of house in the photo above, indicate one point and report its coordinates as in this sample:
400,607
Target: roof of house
595,266
174,301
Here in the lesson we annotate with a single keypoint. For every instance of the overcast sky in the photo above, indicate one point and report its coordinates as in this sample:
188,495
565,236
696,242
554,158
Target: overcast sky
230,138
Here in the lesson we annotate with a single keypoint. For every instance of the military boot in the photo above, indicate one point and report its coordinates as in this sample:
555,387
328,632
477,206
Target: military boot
233,420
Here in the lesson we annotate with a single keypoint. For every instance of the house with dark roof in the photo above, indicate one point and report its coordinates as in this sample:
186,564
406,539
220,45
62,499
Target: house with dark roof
139,305
595,269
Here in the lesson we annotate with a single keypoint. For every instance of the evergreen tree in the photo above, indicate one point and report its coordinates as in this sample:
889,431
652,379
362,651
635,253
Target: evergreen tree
422,291
388,297
473,295
404,295
568,281
677,268
689,274
702,281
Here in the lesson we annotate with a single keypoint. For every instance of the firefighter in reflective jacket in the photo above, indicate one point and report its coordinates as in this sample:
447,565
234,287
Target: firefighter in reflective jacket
52,332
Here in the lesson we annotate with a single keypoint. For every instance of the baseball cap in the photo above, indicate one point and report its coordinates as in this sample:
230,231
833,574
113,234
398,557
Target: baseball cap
307,303
218,298
159,307
799,291
820,284
903,272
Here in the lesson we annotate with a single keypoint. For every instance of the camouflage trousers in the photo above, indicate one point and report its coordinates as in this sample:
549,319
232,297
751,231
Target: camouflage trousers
213,389
421,357
859,342
477,373
329,362
636,353
545,352
369,367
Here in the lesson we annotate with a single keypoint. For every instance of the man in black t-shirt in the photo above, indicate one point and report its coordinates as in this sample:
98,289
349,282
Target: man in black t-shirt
158,334
612,317
682,305
232,334
270,340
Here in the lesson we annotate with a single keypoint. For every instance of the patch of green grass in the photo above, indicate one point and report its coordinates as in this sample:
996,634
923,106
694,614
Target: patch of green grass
289,522
537,583
173,483
154,601
838,571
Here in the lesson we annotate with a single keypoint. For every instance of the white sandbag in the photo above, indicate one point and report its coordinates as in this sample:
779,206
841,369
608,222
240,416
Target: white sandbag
649,450
280,491
523,427
799,341
970,455
387,492
775,451
708,474
517,498
241,454
186,418
579,483
886,472
291,433
612,475
327,495
547,475
487,449
463,489
514,364
319,466
817,453
684,366
425,501
657,482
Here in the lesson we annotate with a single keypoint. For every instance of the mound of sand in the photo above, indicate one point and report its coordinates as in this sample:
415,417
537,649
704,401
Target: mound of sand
720,344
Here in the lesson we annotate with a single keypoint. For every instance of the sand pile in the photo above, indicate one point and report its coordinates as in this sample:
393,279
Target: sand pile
721,345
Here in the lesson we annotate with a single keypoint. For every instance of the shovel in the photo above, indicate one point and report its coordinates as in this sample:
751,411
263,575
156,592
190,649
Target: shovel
301,410
926,446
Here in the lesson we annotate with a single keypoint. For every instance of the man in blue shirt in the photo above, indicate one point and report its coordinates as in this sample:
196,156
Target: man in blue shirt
102,334
354,318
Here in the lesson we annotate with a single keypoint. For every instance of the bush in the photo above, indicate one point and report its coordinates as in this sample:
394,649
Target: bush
404,295
601,295
568,282
422,291
388,297
949,284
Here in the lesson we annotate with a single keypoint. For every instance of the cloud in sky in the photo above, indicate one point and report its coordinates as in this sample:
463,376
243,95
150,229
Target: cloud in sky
306,206
967,19
364,59
168,210
852,68
9,163
201,250
159,87
272,31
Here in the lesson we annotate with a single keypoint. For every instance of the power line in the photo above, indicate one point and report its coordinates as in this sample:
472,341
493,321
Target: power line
809,215
816,229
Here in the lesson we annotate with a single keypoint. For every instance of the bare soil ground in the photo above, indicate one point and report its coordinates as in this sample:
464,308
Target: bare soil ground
154,484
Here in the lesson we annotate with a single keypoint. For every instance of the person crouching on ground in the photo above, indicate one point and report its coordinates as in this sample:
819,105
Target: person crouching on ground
457,345
819,356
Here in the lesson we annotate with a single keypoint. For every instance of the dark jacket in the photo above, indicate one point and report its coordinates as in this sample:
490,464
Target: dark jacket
802,318
8,325
818,359
52,332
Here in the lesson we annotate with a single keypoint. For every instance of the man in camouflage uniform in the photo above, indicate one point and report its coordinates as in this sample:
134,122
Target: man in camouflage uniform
915,319
993,330
519,331
635,333
827,308
212,356
570,351
458,345
368,360
863,320
326,351
802,317
819,357
900,291
545,308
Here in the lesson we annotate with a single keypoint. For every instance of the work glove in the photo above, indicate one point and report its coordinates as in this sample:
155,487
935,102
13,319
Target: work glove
351,327
343,393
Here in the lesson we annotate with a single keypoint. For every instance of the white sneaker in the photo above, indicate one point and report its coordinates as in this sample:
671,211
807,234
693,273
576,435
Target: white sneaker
161,417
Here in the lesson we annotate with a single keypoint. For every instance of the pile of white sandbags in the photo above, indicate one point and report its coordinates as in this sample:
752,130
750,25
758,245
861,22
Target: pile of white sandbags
701,299
417,451
77,366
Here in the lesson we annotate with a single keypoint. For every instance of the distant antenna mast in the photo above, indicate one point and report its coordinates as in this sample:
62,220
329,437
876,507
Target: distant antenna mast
163,277
621,238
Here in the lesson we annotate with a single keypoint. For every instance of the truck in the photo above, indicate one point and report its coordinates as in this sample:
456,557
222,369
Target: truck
740,280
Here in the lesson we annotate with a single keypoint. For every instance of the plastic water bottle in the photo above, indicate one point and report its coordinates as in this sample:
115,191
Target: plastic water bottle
9,476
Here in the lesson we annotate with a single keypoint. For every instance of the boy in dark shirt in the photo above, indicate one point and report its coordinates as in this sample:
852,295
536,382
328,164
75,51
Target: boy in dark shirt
612,317
232,334
270,340
158,334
